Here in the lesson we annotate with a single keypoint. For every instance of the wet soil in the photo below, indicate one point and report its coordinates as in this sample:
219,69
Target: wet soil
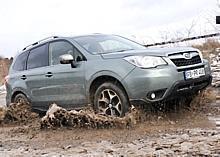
186,133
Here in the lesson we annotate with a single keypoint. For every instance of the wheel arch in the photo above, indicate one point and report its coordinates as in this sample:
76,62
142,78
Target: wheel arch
97,81
16,92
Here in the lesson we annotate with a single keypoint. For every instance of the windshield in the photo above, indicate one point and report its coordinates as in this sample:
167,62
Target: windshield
100,44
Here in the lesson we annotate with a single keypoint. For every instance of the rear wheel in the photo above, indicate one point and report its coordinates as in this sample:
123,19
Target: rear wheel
110,99
21,98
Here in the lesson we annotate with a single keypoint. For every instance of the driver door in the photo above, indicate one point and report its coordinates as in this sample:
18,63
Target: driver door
65,85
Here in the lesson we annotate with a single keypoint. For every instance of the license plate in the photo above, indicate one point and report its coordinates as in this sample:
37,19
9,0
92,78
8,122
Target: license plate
194,73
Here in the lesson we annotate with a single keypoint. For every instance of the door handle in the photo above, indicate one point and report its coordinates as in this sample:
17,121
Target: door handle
49,74
23,77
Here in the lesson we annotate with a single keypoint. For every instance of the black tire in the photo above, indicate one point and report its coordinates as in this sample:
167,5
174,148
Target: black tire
116,106
21,98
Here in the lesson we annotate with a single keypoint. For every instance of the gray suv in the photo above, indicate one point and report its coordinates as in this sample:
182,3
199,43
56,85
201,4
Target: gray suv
108,71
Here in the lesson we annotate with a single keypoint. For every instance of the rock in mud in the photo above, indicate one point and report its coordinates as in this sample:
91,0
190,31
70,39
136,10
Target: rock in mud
59,117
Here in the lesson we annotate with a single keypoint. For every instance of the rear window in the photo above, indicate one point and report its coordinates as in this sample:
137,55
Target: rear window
20,62
38,57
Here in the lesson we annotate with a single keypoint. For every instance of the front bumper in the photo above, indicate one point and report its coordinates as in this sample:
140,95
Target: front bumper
165,82
188,87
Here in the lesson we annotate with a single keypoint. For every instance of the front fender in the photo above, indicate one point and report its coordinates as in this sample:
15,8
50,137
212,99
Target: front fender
99,74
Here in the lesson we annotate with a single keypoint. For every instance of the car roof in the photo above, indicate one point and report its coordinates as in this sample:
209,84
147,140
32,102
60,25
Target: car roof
52,38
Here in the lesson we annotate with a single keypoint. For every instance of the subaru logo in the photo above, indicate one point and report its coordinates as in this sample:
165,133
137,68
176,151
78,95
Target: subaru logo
187,56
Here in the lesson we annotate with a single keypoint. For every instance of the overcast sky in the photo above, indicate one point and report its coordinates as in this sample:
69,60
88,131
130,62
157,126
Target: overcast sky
23,22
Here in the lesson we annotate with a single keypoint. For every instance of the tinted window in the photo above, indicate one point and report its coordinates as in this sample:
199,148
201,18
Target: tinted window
38,57
58,48
20,63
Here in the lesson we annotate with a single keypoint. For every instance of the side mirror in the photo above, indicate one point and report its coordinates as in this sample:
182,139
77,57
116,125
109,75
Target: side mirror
66,59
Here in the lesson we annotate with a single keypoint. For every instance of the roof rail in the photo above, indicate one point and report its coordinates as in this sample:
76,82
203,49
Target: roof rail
38,42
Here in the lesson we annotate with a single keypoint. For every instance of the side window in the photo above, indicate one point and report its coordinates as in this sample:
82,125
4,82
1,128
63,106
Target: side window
20,62
58,48
38,57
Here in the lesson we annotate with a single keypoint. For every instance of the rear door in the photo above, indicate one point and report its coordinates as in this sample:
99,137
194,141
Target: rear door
37,64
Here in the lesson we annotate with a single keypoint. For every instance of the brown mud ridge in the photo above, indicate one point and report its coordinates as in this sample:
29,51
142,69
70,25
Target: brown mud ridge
19,112
57,116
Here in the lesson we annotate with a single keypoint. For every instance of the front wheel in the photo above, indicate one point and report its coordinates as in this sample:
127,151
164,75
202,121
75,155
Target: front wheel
110,99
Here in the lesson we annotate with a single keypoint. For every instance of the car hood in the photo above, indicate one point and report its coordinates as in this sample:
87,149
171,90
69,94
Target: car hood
162,52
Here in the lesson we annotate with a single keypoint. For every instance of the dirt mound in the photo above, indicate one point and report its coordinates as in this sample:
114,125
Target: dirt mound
59,117
17,112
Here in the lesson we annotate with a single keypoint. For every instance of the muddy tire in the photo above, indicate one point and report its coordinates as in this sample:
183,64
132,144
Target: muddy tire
21,98
110,99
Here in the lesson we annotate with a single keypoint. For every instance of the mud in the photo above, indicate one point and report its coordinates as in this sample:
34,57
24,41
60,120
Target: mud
17,113
82,133
59,117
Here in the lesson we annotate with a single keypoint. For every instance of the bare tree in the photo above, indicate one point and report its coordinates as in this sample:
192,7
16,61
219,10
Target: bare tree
190,30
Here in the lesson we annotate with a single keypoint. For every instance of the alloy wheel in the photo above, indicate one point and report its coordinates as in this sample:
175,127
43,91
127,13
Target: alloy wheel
109,103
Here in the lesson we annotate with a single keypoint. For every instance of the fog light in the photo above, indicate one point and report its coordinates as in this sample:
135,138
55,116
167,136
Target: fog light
153,96
156,95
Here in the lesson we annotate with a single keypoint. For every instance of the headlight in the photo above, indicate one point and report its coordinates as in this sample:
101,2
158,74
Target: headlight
145,61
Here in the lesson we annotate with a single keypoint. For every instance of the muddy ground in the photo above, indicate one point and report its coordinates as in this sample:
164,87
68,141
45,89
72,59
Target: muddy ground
185,133
2,99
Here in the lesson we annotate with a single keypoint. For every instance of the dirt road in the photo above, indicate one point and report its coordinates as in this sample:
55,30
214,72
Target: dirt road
184,134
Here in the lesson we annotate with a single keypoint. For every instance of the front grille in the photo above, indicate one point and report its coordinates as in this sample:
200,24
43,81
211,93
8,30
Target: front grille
185,62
